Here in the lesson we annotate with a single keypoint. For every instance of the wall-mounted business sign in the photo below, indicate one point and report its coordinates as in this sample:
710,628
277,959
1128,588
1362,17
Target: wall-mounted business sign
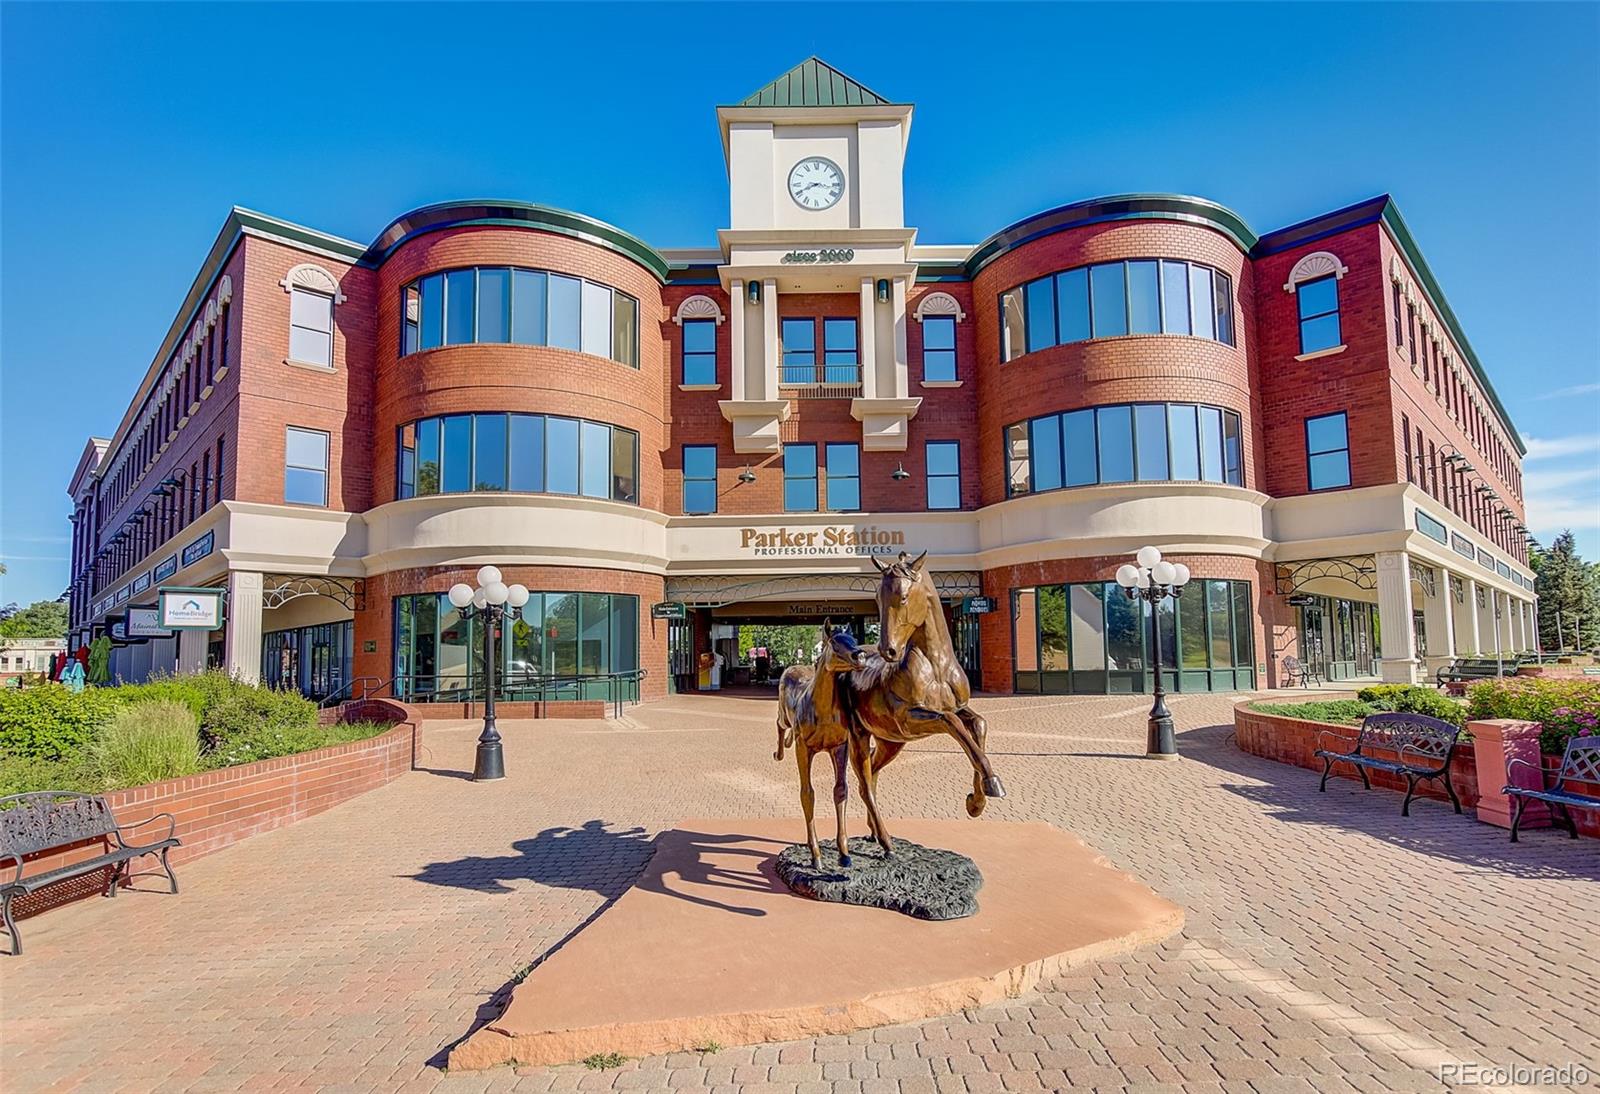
669,610
977,605
140,583
165,570
1302,600
144,621
199,549
190,609
837,539
826,254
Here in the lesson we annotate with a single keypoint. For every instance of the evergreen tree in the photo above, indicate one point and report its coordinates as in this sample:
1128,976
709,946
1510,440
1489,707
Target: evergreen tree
1569,589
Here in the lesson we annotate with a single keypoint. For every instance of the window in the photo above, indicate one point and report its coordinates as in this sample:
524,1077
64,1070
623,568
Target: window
840,360
939,349
699,477
526,453
305,471
1147,442
800,478
700,352
799,351
497,304
1327,452
1319,314
944,474
1399,320
844,477
1139,296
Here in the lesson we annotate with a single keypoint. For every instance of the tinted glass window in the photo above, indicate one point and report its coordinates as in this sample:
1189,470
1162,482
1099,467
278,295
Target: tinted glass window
1232,449
1115,424
699,351
1019,477
305,473
843,464
1110,303
1185,442
1013,339
310,327
459,306
527,452
700,478
528,292
595,460
494,305
1202,303
432,310
1078,441
1150,430
944,474
625,330
1041,314
939,348
562,312
1210,444
1175,297
1224,288
561,455
1327,452
799,351
800,478
1046,450
1072,299
1144,298
1319,314
457,454
428,456
624,465
489,448
595,334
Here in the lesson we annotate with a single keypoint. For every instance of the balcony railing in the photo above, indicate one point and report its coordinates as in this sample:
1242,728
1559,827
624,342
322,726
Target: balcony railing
819,381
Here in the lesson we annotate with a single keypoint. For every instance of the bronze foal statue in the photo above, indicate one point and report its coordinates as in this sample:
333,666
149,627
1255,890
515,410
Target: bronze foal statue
809,719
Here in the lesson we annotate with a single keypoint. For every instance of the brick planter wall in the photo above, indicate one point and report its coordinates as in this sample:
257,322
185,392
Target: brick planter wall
1294,741
216,808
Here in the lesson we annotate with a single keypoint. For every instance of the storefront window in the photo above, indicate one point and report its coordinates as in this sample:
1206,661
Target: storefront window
557,640
529,453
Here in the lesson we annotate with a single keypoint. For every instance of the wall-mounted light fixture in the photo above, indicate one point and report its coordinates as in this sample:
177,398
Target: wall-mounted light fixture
747,475
883,290
900,474
753,292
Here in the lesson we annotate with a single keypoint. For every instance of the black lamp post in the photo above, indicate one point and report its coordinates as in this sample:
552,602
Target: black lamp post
493,601
1151,580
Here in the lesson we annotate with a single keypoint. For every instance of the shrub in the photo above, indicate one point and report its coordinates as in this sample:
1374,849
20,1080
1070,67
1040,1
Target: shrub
1563,708
51,721
1341,712
146,742
26,774
1412,699
257,724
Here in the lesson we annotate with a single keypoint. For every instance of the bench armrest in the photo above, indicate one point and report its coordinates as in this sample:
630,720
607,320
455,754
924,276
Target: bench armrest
1432,759
1342,738
172,825
1512,765
17,876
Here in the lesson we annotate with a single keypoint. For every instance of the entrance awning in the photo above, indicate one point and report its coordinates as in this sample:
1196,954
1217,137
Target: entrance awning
712,591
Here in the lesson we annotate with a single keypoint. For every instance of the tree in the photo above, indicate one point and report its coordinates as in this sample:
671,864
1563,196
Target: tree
44,619
1569,589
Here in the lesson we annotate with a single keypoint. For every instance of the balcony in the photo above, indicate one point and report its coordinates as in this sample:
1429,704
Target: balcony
810,380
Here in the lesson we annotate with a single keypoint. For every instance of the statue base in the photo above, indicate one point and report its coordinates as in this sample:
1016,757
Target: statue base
922,882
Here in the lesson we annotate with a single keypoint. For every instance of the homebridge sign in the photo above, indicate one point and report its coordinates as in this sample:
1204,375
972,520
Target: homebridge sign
836,539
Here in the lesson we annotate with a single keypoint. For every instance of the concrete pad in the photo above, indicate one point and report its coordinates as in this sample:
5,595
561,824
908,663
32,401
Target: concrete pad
710,946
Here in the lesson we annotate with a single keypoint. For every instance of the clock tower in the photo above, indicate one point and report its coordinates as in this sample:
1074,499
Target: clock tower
816,184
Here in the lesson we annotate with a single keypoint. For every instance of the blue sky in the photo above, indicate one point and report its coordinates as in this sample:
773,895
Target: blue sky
129,130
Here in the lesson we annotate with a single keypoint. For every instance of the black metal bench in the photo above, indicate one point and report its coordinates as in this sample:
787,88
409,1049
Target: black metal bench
1428,742
1294,667
1580,763
1466,669
48,819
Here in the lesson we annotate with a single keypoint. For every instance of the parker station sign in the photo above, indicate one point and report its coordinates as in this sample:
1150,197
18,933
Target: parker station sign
836,539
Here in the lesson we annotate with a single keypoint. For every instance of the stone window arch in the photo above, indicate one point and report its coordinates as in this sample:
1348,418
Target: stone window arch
699,306
939,303
1314,265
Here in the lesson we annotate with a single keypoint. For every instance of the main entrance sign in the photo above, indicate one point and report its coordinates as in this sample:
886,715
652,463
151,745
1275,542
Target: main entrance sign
826,254
836,539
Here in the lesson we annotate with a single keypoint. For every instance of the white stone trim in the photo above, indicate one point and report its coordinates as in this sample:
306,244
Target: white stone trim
1329,352
699,306
225,289
939,303
1314,265
308,275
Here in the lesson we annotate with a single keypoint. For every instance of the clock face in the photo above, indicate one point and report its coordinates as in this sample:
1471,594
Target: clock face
816,183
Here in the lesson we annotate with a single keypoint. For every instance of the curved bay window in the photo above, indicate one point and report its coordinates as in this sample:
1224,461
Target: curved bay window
489,304
1090,639
520,453
1138,442
1115,299
561,646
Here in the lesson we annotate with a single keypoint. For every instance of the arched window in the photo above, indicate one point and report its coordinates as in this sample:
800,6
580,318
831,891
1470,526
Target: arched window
1314,281
313,292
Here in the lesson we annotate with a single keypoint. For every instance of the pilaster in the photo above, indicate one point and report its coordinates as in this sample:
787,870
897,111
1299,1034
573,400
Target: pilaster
1399,664
244,626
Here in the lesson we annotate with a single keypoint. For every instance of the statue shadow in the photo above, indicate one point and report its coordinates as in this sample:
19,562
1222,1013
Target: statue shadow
608,861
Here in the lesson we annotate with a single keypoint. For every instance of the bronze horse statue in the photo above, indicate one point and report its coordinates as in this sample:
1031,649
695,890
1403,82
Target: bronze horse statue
809,719
911,687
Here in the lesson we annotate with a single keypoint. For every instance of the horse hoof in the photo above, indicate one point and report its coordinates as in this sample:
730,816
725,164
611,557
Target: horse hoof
975,805
844,860
993,787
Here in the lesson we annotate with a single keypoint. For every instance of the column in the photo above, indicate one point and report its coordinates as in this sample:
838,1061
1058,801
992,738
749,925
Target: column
736,337
867,339
1437,618
1399,664
192,651
902,380
1519,639
243,621
769,339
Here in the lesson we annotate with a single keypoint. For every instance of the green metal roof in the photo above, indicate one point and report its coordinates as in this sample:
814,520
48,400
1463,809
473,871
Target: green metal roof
814,82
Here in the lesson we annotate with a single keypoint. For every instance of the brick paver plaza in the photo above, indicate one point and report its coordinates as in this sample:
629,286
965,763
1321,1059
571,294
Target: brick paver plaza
1330,945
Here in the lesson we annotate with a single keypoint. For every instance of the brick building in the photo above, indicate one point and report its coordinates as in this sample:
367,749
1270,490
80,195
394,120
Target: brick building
335,432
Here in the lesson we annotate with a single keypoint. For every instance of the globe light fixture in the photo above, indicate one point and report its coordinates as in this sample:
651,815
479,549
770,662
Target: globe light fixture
494,601
1151,578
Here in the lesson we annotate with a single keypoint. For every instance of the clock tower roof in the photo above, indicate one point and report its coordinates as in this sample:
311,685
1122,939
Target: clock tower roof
815,83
